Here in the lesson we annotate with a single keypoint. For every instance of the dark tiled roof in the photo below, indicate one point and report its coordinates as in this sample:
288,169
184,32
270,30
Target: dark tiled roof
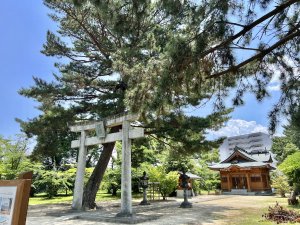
243,159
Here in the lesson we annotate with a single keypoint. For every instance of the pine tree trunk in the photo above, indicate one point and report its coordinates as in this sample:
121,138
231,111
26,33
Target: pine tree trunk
92,187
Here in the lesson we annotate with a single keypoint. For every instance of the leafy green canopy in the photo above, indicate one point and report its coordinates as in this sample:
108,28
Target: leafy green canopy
156,57
292,131
283,147
116,58
291,167
168,181
287,153
287,144
280,182
53,136
190,50
157,51
13,159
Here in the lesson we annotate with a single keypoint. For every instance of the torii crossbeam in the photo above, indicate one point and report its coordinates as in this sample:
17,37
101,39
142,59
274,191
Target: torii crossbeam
125,135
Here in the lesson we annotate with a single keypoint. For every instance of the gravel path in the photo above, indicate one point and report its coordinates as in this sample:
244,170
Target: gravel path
206,210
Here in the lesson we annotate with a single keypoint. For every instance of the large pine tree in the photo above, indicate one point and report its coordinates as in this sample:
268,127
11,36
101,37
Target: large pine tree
184,46
93,84
157,57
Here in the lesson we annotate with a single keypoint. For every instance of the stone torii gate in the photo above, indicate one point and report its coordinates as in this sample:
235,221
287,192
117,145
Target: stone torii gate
125,135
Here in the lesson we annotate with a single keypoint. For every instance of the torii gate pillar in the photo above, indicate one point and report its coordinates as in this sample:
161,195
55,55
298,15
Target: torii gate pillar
79,181
126,204
125,136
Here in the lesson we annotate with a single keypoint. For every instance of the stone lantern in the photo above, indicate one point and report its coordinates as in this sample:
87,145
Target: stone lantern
144,184
185,184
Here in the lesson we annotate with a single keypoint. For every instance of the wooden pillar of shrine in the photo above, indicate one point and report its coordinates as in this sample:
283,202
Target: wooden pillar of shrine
248,182
268,183
228,182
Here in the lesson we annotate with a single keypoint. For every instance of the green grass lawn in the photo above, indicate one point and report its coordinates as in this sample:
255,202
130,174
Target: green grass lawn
253,215
61,198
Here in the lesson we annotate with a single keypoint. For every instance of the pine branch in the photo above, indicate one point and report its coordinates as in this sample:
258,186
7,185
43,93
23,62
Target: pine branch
116,40
232,23
90,34
156,138
75,98
247,28
260,55
244,48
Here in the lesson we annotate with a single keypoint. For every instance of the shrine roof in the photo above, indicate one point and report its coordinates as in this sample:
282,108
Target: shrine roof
239,152
241,165
263,156
243,159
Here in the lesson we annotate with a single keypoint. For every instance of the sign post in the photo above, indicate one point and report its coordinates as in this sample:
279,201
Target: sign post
14,197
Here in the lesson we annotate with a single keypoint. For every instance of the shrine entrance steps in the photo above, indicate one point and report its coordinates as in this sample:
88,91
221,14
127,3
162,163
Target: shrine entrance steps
245,192
238,192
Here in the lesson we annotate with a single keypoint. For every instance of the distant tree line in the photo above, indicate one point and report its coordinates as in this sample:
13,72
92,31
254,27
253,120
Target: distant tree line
287,150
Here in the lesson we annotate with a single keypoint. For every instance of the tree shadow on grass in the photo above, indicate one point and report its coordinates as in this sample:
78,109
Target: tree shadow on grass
160,212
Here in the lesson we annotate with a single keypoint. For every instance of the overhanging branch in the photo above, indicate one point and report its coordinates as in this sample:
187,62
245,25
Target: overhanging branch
250,26
257,56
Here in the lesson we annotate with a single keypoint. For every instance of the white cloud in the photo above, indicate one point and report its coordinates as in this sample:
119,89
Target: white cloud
277,70
236,127
274,87
276,75
275,81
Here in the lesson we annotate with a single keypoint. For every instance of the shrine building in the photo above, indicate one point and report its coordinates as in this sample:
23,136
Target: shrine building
245,172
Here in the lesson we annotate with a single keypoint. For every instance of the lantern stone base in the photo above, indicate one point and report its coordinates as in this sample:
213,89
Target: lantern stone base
124,214
144,203
186,205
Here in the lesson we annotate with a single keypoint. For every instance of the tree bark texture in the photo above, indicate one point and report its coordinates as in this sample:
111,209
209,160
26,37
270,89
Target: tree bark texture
93,184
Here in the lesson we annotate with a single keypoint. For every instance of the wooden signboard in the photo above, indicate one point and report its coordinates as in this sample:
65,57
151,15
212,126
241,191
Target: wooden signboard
14,197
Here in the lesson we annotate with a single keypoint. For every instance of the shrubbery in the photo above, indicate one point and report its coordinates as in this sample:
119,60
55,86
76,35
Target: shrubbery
167,181
280,182
53,181
50,182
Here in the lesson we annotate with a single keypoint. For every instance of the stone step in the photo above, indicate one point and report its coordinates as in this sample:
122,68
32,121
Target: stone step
238,192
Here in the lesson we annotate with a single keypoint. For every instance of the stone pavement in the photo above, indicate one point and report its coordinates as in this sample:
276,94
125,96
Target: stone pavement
158,213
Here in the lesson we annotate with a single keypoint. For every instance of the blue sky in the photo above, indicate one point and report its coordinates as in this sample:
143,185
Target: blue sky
24,25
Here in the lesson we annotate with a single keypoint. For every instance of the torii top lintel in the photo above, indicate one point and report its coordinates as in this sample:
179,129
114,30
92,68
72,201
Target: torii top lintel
109,122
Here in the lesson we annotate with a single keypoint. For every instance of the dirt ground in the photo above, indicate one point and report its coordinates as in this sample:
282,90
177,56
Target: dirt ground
206,210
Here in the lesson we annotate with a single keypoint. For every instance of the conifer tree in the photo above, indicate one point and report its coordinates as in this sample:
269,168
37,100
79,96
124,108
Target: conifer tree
157,57
188,46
